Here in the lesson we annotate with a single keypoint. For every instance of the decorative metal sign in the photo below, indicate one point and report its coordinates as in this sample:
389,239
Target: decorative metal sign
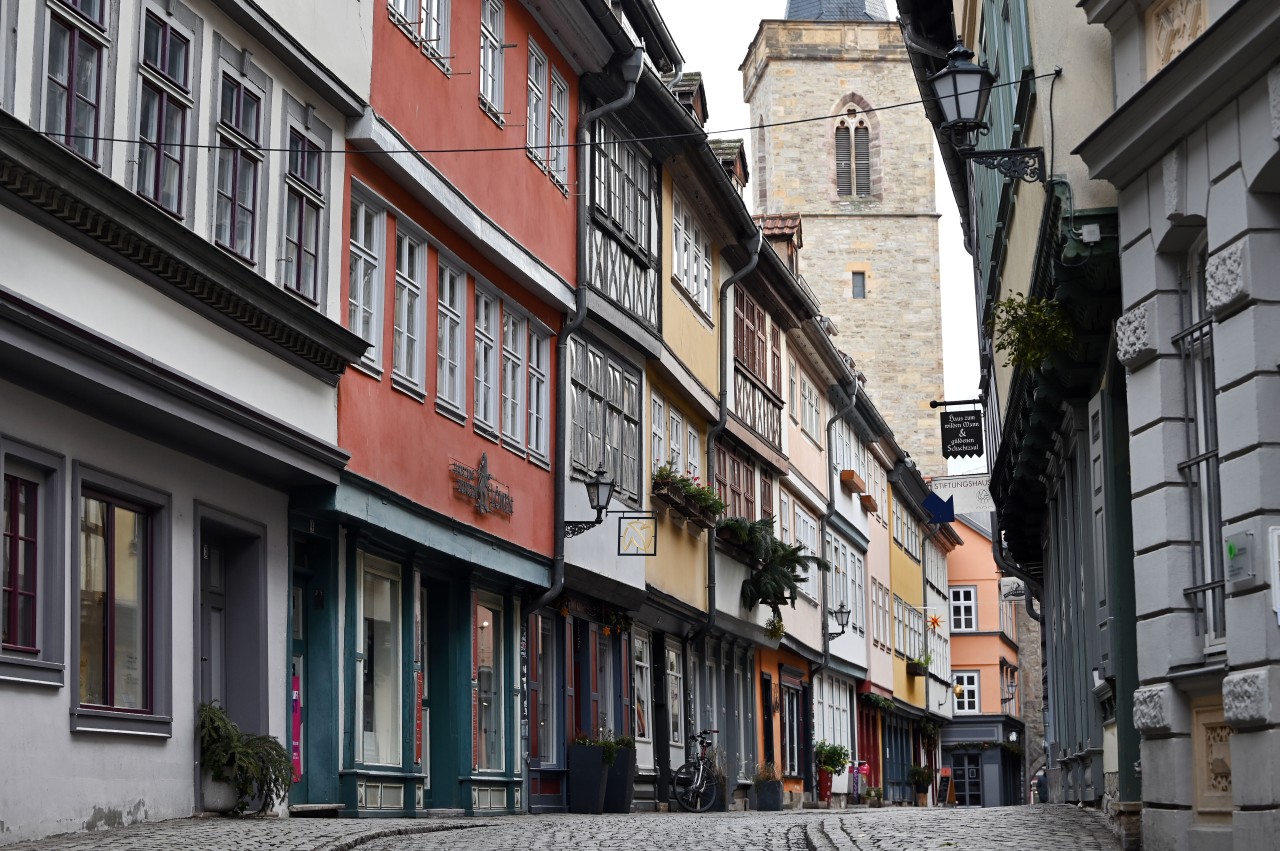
637,535
961,434
477,485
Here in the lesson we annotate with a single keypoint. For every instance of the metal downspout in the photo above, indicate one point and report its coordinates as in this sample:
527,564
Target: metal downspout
632,67
1009,566
713,435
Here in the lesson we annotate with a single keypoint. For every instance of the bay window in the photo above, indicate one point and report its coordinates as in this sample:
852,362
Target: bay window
605,430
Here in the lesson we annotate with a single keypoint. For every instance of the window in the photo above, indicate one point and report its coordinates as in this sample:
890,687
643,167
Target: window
73,86
676,430
784,518
621,185
606,416
32,577
378,703
364,302
964,608
435,28
791,734
642,707
859,285
1200,466
547,722
735,483
766,494
411,257
536,119
657,424
239,155
604,685
491,32
775,358
899,625
844,161
693,457
862,160
811,409
807,534
967,700
162,114
675,695
486,372
539,392
121,651
857,606
20,564
691,255
513,354
793,402
490,688
115,606
450,360
558,155
303,199
749,337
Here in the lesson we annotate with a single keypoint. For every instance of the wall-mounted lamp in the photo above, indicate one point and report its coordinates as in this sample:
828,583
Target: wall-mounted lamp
957,690
599,492
842,620
962,90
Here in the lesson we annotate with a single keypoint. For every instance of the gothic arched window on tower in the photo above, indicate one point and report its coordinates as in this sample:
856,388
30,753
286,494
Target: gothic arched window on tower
861,159
844,161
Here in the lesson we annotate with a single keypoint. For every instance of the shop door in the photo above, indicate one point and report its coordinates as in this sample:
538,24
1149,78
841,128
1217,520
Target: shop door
966,770
298,623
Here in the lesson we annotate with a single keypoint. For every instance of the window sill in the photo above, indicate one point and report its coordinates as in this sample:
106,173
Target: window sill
493,112
368,368
487,431
540,460
515,447
408,388
450,411
16,669
437,59
121,723
687,297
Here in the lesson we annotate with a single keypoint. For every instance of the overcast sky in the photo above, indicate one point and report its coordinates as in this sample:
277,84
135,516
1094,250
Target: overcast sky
714,36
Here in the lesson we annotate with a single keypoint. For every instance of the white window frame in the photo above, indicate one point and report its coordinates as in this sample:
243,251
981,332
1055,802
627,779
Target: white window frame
673,682
806,531
367,250
657,423
492,15
558,135
390,571
511,407
451,320
674,443
537,111
693,454
690,255
642,675
858,576
407,349
594,374
538,398
964,608
486,376
435,30
969,701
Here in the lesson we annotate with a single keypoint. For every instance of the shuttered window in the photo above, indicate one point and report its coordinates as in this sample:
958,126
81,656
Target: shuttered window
844,181
861,159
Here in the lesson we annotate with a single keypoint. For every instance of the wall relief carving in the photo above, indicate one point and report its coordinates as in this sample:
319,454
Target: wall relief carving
1171,26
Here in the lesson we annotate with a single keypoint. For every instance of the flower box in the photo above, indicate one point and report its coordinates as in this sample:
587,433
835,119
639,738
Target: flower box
852,482
669,493
917,669
703,518
869,504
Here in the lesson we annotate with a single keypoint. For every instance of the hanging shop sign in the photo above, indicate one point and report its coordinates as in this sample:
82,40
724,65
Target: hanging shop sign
961,434
477,485
970,494
637,535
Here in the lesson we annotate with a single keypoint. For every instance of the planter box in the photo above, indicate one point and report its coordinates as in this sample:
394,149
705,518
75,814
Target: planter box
668,494
869,504
586,779
620,783
852,482
702,518
769,795
917,669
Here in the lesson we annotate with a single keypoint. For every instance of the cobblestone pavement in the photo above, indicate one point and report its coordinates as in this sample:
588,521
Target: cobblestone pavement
1035,828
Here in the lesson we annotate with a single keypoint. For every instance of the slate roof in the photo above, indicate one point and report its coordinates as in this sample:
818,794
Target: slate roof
836,10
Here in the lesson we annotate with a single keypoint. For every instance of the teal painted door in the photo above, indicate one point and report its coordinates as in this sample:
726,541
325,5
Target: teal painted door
311,688
297,687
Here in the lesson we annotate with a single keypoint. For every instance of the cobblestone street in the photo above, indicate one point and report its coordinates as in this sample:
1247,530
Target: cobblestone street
890,829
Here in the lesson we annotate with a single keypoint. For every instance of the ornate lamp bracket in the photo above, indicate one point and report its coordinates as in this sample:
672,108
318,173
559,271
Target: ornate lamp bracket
1016,163
574,528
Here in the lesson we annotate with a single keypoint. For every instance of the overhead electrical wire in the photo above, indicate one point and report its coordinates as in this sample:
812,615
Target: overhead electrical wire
494,149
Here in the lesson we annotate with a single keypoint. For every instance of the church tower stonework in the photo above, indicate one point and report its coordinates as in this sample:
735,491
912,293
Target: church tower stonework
863,181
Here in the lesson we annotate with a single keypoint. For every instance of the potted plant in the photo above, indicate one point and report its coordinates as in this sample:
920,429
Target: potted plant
588,761
921,777
1029,330
620,776
667,487
832,760
238,767
875,797
775,567
919,666
722,801
767,787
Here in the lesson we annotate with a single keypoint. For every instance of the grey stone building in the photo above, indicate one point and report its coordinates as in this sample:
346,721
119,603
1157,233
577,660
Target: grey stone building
1192,149
863,181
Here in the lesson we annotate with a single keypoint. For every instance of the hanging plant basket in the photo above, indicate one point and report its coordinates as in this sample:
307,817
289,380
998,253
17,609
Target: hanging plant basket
1029,331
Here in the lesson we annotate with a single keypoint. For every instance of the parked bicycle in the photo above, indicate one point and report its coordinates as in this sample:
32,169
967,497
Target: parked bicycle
695,781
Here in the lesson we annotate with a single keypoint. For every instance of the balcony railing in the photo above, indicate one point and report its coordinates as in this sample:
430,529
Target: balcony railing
757,407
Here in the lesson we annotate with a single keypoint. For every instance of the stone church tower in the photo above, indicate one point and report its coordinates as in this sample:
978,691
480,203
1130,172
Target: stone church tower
863,182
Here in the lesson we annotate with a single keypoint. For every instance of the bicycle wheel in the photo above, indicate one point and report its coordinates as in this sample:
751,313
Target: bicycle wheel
695,786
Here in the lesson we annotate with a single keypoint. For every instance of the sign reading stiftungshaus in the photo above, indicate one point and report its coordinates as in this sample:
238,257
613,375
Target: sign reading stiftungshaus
961,434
